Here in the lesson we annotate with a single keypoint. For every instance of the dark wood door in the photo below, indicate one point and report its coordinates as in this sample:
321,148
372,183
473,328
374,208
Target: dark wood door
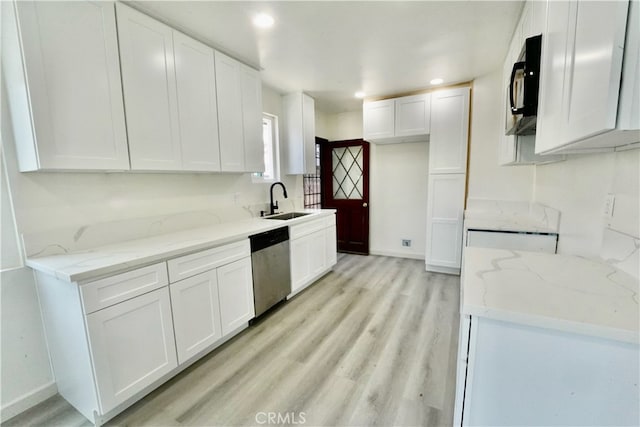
345,187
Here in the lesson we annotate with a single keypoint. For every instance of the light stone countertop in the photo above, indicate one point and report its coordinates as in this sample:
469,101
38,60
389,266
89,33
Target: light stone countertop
90,264
562,292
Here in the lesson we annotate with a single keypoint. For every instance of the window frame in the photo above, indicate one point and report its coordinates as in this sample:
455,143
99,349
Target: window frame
258,177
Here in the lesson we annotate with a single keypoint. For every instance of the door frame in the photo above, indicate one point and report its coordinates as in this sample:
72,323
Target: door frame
326,172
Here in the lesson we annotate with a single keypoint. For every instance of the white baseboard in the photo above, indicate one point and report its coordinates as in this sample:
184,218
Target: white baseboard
445,270
396,254
27,401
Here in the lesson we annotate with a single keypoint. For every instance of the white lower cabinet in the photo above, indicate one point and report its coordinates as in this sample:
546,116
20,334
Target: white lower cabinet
113,339
312,253
515,374
132,345
235,289
196,314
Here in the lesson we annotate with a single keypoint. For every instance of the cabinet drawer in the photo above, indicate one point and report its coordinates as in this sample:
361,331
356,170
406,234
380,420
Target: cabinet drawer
112,290
300,230
190,265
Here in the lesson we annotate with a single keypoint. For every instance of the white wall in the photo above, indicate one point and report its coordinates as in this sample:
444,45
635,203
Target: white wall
398,189
488,180
399,176
578,187
26,376
45,201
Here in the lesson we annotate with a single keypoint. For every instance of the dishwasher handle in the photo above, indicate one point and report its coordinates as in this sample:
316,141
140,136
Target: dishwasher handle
268,238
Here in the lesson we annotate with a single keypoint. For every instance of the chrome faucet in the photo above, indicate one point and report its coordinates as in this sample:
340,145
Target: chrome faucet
274,206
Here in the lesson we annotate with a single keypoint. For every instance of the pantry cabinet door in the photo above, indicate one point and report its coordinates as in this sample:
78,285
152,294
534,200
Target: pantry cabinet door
197,105
70,54
132,346
445,209
252,119
449,131
230,122
196,314
149,81
235,290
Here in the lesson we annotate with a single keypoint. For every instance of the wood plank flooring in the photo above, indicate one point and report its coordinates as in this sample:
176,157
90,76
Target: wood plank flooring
372,343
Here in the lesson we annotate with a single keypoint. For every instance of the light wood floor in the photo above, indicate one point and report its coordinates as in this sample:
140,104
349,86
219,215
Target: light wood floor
372,343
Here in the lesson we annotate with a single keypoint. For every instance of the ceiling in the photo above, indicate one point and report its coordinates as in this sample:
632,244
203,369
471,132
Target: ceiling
331,49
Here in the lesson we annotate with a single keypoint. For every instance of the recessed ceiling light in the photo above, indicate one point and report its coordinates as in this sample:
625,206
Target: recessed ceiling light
436,81
263,20
360,94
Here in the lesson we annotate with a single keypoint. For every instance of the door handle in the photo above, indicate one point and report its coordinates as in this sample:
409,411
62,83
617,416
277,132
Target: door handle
365,204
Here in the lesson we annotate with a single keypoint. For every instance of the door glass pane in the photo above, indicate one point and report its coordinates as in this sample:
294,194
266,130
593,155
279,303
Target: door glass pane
347,172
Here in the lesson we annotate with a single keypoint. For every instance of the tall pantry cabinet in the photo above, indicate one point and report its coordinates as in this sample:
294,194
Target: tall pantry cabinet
447,179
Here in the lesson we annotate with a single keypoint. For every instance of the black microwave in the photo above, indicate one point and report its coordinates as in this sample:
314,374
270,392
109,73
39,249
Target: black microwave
522,93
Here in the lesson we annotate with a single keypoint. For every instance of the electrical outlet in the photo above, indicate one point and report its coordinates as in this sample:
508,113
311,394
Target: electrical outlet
236,198
406,243
609,201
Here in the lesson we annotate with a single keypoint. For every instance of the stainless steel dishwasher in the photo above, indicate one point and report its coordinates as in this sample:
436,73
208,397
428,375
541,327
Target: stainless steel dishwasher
271,268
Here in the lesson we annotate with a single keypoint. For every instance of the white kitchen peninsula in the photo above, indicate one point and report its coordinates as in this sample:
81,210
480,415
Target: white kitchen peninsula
546,340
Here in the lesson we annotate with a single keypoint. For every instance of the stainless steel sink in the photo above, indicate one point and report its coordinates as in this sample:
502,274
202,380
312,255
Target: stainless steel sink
288,215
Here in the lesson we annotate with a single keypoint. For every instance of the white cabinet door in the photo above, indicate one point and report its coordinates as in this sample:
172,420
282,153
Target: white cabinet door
449,131
331,246
378,118
197,105
148,78
132,345
252,119
595,68
196,314
74,97
309,257
444,220
317,253
309,133
299,137
230,122
300,263
579,88
235,290
413,115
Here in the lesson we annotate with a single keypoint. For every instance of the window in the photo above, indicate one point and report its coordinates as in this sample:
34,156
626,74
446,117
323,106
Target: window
271,149
311,184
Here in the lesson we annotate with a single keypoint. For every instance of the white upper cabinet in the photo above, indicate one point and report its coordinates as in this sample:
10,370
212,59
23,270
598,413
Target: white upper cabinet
252,119
378,118
239,115
62,73
449,131
581,70
148,77
197,105
300,133
413,115
229,113
405,119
